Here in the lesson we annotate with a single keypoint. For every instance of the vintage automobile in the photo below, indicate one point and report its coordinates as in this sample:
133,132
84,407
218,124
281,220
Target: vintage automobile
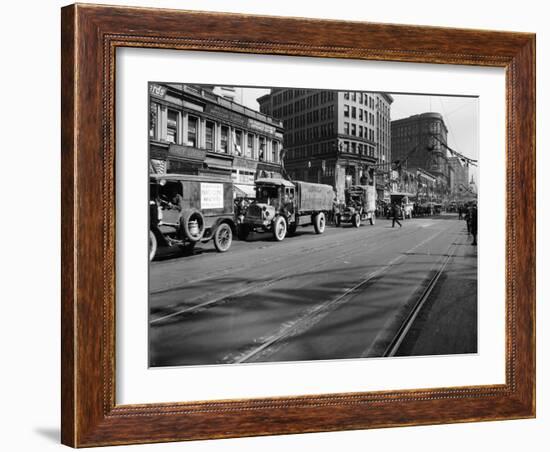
281,206
360,205
187,209
403,199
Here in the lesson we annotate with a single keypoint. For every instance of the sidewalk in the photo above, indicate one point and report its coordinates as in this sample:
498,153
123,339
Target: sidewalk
447,323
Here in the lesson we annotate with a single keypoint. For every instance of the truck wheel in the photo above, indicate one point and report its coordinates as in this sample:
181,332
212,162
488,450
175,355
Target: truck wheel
356,221
192,225
152,245
319,223
279,228
243,231
372,220
223,238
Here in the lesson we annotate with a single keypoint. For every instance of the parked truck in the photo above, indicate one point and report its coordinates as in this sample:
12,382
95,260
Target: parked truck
281,206
187,209
359,205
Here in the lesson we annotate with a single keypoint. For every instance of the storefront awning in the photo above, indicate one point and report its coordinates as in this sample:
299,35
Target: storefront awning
244,190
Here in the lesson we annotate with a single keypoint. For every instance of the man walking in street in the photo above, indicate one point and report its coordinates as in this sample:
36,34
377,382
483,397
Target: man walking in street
396,213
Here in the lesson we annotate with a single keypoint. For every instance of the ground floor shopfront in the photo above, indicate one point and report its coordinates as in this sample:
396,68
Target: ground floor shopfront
176,159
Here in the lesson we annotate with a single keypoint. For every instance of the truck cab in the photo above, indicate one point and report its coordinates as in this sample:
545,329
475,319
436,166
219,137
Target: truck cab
281,206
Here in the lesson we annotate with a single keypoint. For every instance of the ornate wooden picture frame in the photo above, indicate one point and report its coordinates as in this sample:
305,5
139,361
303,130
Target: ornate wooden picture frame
90,37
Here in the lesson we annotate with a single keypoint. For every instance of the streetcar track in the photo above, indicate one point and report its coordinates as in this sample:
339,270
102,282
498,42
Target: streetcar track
395,344
304,250
315,314
264,284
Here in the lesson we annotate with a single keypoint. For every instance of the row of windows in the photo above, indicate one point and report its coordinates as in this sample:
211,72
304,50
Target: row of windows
358,148
313,100
358,113
188,130
361,132
328,146
310,117
311,133
362,98
406,130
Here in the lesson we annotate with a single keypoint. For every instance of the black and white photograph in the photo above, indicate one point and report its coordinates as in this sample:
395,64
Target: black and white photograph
294,224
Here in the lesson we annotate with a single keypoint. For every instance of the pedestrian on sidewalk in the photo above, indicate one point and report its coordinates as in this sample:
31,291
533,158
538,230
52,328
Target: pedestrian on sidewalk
467,212
473,223
396,213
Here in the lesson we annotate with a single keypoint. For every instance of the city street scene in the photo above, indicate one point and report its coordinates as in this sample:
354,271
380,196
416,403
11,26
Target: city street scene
292,224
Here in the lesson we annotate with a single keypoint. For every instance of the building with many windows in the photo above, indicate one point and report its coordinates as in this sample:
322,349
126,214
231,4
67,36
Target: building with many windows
332,137
420,141
193,130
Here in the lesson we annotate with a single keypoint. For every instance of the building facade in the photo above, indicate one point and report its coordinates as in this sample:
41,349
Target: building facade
192,130
333,137
420,141
459,183
232,93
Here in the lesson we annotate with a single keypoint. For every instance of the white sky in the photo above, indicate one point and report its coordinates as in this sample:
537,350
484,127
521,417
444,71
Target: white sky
459,113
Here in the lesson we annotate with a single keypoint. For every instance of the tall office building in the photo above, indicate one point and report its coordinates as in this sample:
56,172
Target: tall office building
420,141
334,137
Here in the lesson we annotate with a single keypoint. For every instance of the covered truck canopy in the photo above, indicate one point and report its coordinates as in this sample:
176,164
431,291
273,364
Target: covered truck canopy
314,197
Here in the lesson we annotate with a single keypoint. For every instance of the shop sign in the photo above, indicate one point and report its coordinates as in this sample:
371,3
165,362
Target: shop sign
226,115
157,90
187,152
260,126
245,163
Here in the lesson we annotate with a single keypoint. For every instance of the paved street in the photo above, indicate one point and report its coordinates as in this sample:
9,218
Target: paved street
343,294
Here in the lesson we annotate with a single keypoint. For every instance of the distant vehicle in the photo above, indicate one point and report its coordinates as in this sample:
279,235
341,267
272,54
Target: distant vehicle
360,205
187,209
403,200
281,206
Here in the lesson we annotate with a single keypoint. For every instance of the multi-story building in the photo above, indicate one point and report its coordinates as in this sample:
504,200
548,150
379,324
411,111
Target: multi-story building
194,131
232,93
333,137
420,141
459,182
